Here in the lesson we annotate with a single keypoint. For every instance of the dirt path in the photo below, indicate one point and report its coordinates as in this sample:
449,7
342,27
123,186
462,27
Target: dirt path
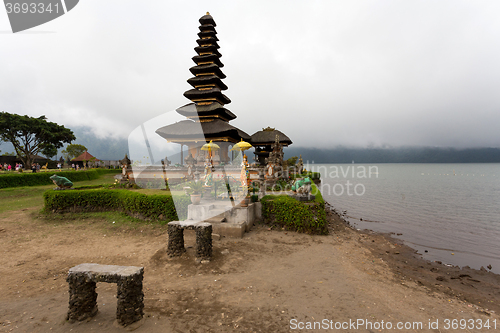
269,281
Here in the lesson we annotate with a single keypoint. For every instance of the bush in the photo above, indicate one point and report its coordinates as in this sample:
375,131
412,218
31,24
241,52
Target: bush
43,178
317,193
287,212
156,207
313,175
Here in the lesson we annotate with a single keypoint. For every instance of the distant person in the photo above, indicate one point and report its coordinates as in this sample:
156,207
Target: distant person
37,167
33,167
73,166
9,167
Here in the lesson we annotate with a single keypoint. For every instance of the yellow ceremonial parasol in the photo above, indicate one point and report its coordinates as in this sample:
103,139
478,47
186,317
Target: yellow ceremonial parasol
242,145
209,146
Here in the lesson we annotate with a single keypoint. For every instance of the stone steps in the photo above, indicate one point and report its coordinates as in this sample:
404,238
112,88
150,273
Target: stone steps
226,220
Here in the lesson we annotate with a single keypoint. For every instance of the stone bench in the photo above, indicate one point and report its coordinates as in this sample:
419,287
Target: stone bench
82,281
203,238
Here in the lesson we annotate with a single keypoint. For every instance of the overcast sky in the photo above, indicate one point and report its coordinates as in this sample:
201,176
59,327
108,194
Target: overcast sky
326,73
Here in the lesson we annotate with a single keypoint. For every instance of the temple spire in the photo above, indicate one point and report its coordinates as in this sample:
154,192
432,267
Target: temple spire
207,80
207,118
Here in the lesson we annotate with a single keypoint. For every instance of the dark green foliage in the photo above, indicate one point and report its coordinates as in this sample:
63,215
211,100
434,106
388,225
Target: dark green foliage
292,161
31,136
49,151
86,200
316,192
156,207
73,150
281,185
42,178
312,175
308,217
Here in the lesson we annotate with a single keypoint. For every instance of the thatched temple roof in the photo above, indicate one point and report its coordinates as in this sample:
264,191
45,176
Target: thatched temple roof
268,136
208,118
213,110
190,130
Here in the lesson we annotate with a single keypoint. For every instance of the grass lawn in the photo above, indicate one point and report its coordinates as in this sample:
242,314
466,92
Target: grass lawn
16,198
31,197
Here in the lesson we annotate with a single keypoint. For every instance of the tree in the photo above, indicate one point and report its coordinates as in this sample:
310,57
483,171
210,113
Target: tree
292,161
49,151
8,154
31,136
73,150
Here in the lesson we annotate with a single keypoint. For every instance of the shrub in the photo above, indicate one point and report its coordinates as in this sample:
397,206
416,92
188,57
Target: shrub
317,193
156,207
313,175
308,217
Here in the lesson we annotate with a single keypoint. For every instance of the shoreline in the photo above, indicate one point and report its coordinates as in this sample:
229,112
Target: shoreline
477,286
447,213
263,282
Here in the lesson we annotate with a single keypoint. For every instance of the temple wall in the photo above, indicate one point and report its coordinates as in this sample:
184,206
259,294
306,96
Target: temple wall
176,174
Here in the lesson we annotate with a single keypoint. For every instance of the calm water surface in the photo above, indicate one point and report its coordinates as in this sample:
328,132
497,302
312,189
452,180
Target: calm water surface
450,210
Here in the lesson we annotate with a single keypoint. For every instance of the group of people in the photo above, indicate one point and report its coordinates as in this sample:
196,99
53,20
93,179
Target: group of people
8,167
35,167
75,166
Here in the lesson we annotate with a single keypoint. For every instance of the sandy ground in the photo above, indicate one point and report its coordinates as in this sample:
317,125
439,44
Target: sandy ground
268,281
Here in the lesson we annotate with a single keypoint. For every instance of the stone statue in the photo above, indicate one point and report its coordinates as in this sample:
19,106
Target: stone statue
125,162
302,186
190,160
167,161
274,163
300,165
208,176
126,167
244,175
61,182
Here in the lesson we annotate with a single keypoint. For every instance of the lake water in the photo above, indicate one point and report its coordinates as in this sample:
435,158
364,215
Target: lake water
450,210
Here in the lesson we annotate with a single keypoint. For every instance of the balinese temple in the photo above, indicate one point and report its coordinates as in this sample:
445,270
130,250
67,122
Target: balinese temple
264,140
207,118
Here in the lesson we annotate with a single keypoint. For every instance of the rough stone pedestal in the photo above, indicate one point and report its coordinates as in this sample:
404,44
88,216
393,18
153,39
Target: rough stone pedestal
303,197
203,238
82,281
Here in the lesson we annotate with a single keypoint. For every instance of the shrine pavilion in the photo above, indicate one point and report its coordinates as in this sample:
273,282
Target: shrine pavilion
83,159
207,118
263,142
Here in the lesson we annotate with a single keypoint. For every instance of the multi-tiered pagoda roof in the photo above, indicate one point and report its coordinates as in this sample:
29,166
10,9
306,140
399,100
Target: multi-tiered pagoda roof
208,119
